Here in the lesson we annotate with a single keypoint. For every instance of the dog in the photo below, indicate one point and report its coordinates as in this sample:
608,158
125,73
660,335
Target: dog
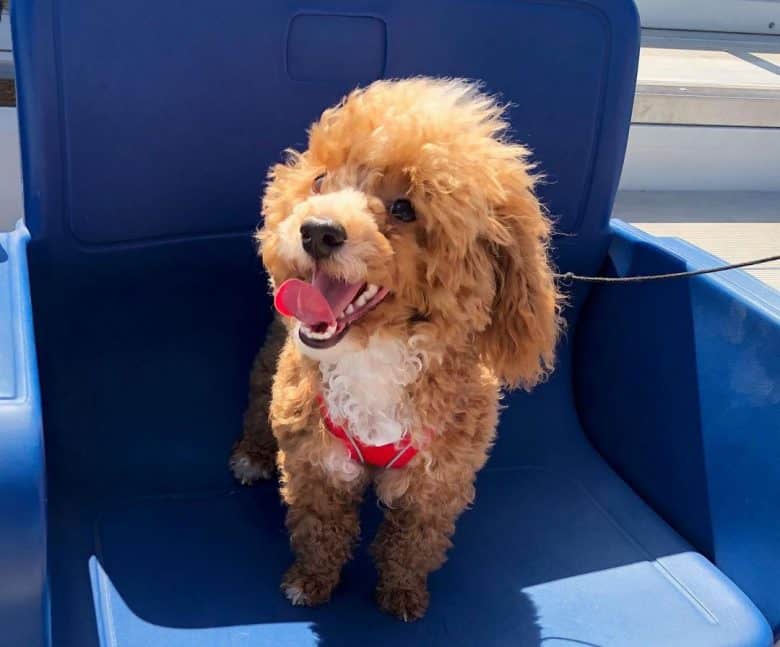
408,257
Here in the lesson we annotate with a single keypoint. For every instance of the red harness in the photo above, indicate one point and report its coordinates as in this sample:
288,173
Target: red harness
392,455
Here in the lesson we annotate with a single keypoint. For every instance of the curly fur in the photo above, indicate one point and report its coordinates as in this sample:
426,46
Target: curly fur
472,308
367,390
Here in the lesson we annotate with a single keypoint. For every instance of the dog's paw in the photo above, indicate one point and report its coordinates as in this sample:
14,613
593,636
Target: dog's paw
306,589
249,467
403,603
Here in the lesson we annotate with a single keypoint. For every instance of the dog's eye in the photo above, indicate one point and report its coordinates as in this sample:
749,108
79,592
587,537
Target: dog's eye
403,210
316,186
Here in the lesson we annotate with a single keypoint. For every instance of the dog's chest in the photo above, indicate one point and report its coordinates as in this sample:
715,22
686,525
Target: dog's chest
366,391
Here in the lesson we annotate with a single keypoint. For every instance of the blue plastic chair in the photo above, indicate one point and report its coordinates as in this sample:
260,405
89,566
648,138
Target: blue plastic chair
631,500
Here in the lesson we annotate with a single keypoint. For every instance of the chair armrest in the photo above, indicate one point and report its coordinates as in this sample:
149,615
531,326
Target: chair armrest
678,386
23,587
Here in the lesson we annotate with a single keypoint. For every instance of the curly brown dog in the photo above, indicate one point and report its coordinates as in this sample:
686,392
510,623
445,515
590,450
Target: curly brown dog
409,257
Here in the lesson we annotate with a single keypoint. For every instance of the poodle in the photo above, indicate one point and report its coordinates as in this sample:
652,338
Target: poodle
408,258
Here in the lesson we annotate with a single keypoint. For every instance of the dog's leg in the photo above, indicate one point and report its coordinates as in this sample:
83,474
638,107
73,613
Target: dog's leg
415,535
254,454
323,522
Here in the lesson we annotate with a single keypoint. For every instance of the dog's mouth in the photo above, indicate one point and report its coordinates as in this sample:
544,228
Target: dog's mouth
326,307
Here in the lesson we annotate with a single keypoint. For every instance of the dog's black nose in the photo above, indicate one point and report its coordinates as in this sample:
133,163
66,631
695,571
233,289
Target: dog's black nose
321,238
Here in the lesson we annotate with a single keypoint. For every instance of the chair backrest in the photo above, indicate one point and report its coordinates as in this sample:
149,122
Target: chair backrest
146,132
147,123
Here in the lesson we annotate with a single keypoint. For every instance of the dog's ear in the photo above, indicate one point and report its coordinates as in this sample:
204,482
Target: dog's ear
519,343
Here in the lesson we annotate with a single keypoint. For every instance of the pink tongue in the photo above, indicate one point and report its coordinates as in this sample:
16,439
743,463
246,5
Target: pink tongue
318,302
296,298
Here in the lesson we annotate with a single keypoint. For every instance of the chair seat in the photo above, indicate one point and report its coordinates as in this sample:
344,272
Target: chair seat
537,559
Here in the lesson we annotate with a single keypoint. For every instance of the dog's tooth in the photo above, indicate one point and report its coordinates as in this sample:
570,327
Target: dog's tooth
313,334
361,300
371,290
329,332
349,310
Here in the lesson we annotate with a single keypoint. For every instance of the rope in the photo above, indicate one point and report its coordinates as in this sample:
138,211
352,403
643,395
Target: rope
570,276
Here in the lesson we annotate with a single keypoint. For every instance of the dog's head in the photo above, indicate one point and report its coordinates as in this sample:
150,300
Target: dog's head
411,215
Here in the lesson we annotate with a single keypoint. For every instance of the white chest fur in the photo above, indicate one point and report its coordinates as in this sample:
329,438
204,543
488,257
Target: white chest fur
365,390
